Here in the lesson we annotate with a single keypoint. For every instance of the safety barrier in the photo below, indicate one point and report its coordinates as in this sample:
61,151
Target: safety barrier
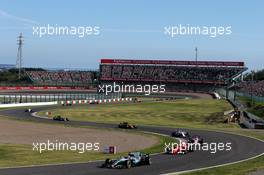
28,104
29,88
251,121
68,102
72,102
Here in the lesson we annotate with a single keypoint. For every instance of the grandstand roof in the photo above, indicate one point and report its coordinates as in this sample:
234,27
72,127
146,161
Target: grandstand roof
174,62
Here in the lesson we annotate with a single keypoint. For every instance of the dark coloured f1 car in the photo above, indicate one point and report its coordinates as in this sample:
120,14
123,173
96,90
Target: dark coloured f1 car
133,159
180,134
59,118
196,139
67,104
94,102
29,110
126,125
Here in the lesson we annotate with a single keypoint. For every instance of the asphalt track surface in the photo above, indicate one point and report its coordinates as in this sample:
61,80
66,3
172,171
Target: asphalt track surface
242,148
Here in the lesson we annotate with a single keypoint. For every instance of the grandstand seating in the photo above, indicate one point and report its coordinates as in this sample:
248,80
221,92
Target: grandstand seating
254,87
61,77
206,74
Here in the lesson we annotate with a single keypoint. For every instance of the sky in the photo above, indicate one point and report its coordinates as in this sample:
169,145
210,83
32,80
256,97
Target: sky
131,29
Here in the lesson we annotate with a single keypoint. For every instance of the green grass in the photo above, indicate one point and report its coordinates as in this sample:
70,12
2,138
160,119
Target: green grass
235,169
257,108
180,113
12,155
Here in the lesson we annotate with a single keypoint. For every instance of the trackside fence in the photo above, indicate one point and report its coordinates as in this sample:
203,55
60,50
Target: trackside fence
68,102
34,98
247,119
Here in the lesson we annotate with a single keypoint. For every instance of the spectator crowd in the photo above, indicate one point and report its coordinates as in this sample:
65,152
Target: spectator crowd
61,77
167,73
252,87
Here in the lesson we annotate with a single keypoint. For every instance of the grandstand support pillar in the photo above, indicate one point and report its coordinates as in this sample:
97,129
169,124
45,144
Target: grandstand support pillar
251,87
235,94
227,92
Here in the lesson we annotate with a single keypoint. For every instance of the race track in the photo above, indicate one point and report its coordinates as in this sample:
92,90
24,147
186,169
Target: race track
242,148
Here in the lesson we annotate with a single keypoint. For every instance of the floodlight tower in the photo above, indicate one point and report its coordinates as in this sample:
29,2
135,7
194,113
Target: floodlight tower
20,41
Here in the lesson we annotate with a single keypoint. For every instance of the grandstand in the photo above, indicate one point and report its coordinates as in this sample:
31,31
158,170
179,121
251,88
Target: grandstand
252,87
177,75
253,84
68,78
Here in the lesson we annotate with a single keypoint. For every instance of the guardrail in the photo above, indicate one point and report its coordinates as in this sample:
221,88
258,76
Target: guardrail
27,104
251,121
72,102
49,97
246,118
67,102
